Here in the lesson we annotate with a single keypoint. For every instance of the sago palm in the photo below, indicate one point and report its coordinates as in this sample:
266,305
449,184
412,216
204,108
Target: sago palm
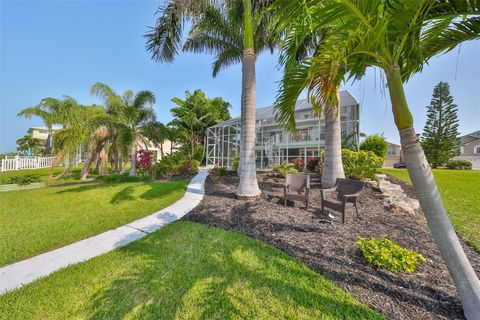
399,36
235,31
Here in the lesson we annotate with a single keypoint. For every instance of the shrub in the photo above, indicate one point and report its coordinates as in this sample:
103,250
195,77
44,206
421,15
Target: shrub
298,163
236,163
122,178
22,180
312,163
223,171
198,153
384,253
459,164
282,169
360,164
216,173
189,167
175,164
375,143
144,160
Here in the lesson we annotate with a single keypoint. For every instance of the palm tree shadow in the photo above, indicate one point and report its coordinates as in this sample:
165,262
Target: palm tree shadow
126,194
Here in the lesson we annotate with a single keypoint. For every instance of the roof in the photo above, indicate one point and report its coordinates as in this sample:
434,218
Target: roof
44,128
346,99
393,144
475,134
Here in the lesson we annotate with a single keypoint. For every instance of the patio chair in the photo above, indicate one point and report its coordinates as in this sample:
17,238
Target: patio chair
347,192
297,187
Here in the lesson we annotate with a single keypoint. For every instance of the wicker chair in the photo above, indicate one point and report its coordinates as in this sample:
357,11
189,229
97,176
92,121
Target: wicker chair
297,187
347,192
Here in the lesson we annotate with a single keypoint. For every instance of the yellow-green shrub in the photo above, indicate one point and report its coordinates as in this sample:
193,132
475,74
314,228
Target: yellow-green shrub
282,169
384,253
360,164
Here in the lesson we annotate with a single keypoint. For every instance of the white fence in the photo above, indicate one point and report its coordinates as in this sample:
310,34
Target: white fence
25,163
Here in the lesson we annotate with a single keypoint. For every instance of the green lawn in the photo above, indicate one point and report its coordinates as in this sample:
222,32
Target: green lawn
460,192
43,174
35,221
186,271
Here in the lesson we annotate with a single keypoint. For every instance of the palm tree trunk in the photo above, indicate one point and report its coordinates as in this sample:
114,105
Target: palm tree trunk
425,187
133,159
55,161
88,162
161,149
103,162
333,166
248,186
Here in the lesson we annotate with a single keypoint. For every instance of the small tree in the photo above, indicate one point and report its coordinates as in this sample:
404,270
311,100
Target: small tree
440,135
375,143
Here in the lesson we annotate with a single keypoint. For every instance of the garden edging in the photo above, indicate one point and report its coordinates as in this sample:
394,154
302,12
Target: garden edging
26,271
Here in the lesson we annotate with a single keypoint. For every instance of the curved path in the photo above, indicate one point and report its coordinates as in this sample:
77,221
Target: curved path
21,273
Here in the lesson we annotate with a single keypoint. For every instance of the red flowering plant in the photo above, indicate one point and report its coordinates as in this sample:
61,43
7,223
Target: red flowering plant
299,163
144,160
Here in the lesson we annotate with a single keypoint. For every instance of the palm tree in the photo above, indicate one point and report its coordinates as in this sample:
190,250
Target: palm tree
29,144
299,45
399,37
76,121
129,115
235,31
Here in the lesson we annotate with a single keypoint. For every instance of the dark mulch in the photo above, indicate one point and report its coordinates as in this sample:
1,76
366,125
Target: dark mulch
330,248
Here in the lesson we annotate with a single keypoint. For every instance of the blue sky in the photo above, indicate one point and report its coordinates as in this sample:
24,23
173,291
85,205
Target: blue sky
55,48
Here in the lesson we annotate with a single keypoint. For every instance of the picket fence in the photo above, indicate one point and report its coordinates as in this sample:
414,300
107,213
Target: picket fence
25,163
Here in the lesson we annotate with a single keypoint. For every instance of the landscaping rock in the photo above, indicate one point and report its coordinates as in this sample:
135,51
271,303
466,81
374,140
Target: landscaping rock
372,184
389,189
401,204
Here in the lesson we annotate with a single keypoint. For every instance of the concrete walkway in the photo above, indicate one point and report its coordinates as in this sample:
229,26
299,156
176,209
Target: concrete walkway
21,273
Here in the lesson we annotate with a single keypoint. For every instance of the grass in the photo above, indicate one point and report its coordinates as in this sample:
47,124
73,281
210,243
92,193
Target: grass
460,190
43,174
36,221
186,271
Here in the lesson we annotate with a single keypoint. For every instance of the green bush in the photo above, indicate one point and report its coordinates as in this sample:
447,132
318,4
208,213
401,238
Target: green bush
384,253
360,164
175,164
459,165
21,180
198,153
282,169
375,143
216,173
122,178
236,163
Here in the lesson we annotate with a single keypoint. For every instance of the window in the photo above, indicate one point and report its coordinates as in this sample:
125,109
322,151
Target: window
461,150
476,150
391,151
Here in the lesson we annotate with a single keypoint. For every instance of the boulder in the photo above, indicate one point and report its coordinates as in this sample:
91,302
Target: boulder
401,204
389,189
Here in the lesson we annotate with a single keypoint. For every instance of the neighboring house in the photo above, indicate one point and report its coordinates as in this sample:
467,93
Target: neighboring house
394,155
45,135
470,149
167,146
273,143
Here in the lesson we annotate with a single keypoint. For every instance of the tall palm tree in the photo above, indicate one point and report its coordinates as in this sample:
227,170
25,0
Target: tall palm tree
300,44
235,31
399,37
29,144
129,115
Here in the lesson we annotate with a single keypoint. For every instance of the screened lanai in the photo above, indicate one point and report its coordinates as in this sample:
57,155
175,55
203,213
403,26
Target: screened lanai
274,144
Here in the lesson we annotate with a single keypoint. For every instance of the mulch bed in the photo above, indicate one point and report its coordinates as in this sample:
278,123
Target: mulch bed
330,248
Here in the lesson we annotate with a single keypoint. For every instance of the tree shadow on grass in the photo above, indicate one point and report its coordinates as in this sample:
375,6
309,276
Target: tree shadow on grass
208,273
126,194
